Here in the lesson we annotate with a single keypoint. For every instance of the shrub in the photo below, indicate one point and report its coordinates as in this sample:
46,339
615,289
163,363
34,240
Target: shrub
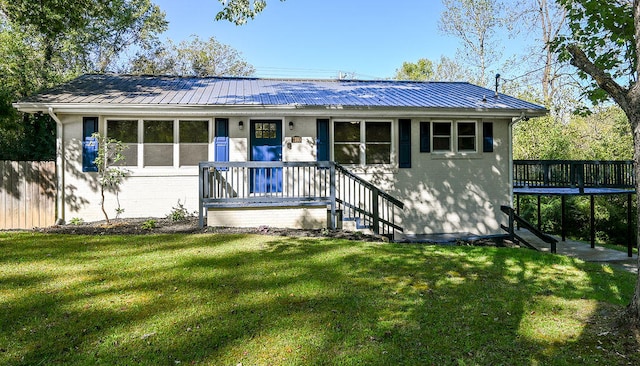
149,224
76,221
179,213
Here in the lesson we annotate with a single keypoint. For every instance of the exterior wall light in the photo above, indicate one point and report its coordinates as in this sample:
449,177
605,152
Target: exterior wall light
240,125
291,125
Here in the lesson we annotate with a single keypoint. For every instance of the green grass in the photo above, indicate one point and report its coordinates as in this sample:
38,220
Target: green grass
264,300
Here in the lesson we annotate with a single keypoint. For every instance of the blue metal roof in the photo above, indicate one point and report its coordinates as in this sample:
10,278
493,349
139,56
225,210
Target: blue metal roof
215,91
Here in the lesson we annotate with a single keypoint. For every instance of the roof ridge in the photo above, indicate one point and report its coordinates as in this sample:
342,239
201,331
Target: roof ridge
279,79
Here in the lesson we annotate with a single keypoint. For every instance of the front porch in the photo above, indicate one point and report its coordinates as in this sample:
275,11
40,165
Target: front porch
287,186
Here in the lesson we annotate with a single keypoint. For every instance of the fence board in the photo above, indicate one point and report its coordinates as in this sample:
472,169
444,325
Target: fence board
27,194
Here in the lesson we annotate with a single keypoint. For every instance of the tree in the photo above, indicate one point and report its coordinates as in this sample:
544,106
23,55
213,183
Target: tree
239,11
474,22
424,69
47,42
120,26
110,176
192,58
544,20
603,45
420,71
448,69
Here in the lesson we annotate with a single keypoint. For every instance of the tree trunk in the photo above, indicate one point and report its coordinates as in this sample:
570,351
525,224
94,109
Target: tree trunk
633,309
106,217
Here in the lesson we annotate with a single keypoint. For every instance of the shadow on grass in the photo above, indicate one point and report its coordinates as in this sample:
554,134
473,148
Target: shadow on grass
229,299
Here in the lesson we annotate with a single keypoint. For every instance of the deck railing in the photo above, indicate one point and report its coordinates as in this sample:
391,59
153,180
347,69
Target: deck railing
515,219
573,174
297,184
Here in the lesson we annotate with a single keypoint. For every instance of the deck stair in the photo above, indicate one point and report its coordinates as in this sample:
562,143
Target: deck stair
515,219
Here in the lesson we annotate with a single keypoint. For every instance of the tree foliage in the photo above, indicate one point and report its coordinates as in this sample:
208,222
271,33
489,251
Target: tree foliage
420,71
602,45
602,135
474,22
46,42
539,22
194,57
110,175
239,11
445,69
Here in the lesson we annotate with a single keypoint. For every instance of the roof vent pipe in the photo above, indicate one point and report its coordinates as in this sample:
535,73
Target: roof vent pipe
497,83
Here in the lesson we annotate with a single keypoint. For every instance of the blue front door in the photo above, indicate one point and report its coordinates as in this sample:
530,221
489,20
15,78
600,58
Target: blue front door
266,145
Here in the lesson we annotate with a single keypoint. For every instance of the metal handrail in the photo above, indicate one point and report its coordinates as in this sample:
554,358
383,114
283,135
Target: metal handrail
514,217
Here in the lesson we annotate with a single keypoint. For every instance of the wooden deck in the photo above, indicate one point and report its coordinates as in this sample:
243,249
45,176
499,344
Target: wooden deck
564,178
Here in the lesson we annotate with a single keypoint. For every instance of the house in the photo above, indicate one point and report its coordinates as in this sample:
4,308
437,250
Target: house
439,152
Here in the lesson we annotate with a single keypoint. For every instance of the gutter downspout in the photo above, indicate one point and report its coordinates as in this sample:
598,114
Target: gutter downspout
522,117
60,194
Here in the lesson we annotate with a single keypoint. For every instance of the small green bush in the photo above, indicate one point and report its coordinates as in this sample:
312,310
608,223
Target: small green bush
179,213
76,221
149,224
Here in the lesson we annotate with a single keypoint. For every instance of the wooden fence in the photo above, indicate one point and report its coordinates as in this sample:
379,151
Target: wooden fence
27,194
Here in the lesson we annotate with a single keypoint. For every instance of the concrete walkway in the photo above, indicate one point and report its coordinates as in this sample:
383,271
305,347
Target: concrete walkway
583,250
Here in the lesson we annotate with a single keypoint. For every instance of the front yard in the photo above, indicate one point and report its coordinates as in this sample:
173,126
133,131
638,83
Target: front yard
229,299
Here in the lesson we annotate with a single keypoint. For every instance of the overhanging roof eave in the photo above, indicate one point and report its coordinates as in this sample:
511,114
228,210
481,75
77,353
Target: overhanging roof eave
290,109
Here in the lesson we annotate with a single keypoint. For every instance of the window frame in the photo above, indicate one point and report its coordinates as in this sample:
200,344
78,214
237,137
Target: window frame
139,146
362,144
459,136
434,146
160,146
454,137
131,146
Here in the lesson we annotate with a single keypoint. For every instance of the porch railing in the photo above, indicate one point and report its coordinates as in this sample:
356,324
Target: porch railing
573,174
297,184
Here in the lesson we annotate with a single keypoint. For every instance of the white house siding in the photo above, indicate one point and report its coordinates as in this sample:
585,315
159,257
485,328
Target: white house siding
153,192
442,193
146,192
452,193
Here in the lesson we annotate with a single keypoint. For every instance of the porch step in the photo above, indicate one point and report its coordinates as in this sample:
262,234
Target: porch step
359,222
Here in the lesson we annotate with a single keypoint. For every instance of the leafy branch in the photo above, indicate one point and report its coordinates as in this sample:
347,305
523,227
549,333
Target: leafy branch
110,176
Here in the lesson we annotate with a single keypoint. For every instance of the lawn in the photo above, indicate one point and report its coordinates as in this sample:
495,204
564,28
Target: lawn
216,299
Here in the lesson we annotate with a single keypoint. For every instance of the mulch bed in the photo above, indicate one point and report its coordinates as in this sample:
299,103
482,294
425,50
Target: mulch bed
140,226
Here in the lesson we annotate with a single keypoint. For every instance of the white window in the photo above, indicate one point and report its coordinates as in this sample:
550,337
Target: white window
194,142
164,143
459,136
158,143
442,137
125,131
362,142
466,136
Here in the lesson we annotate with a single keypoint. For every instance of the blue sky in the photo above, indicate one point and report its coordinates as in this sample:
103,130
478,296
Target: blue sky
320,38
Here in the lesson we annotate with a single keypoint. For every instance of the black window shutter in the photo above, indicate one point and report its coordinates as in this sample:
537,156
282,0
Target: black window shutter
487,137
89,144
404,145
322,140
425,136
